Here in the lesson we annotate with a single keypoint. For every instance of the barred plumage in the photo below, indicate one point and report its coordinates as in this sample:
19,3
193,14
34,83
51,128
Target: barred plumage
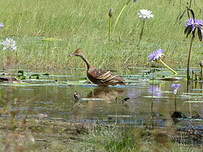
99,76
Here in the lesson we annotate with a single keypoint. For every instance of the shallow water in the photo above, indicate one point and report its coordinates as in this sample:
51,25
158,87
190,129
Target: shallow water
142,103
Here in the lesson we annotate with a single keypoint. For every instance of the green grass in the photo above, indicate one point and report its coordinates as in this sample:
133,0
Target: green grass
114,139
84,24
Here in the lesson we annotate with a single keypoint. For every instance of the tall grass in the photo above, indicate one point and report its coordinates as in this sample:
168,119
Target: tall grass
84,24
115,139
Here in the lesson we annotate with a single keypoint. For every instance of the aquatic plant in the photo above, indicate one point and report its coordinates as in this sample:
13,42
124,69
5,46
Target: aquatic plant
9,44
157,57
175,87
189,5
1,25
144,15
110,21
192,25
119,15
176,114
155,90
201,69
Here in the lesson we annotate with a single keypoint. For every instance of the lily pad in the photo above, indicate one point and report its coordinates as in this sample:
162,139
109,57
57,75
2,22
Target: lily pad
171,78
156,97
91,99
195,101
194,94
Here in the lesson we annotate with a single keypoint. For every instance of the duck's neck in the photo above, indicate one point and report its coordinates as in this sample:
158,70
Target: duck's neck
86,62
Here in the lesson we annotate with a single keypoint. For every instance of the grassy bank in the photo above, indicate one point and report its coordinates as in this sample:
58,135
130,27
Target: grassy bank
33,135
84,23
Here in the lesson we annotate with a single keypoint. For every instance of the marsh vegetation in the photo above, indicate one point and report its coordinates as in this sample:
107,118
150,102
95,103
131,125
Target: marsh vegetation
47,103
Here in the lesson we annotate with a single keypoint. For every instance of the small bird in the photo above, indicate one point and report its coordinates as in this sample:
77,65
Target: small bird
99,76
76,96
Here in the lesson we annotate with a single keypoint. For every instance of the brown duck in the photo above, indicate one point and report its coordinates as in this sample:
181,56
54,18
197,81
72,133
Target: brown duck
99,76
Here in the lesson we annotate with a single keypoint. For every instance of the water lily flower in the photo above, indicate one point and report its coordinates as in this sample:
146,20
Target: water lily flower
193,25
175,87
9,44
156,56
1,25
145,14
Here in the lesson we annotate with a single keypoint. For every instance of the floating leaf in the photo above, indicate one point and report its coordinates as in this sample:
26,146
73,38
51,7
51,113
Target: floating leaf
156,97
91,99
194,101
193,93
171,78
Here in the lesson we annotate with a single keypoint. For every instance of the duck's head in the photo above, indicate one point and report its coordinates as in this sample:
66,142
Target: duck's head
77,52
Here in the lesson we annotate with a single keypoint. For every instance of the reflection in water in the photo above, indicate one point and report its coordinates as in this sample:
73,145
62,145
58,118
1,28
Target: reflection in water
106,93
155,90
176,115
96,103
138,110
76,96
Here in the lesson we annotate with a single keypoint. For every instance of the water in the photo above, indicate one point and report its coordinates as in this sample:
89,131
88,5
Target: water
143,103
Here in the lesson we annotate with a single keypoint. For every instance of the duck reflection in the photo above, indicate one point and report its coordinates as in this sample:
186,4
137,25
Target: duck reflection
96,103
106,93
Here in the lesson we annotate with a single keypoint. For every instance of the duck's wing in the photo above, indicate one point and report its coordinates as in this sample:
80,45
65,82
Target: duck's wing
107,77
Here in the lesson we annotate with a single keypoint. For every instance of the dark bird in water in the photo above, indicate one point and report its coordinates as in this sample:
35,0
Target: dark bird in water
76,96
99,76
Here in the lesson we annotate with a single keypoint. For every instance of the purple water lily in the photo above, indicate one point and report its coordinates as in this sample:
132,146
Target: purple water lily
1,25
193,25
175,87
156,55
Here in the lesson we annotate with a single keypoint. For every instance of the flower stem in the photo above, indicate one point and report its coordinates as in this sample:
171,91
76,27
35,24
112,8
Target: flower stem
168,67
141,33
189,56
175,101
119,15
110,23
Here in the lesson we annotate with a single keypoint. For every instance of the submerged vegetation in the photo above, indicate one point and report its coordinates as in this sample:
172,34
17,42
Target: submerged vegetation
45,32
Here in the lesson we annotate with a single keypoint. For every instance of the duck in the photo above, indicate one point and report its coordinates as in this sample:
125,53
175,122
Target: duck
98,76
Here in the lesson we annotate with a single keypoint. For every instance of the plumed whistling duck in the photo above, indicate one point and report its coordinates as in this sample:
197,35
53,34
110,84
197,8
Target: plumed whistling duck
99,76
